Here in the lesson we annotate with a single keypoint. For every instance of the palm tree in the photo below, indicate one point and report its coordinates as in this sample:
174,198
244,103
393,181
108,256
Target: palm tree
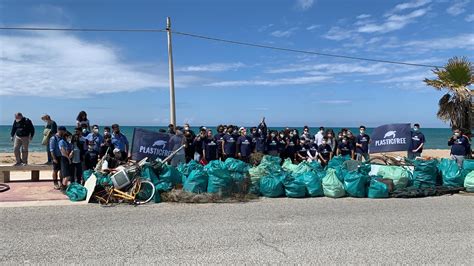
455,105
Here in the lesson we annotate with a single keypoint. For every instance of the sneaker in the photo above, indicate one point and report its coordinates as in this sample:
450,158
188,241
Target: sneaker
56,185
24,164
17,164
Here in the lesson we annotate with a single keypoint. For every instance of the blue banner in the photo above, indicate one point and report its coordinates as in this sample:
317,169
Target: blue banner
392,137
151,144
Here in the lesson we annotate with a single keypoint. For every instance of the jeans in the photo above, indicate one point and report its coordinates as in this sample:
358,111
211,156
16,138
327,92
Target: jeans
459,159
22,142
413,155
50,159
359,157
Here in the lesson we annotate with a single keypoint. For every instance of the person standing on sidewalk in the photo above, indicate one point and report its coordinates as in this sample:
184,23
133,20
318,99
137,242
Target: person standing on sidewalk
55,154
21,134
50,129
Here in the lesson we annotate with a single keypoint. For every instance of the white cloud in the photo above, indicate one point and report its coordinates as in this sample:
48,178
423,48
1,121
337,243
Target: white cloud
265,27
461,41
337,34
313,27
458,7
54,64
469,18
285,33
409,5
335,68
214,67
393,22
363,16
304,4
335,101
272,82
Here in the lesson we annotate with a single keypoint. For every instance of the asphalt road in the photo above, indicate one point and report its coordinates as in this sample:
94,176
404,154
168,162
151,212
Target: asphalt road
319,230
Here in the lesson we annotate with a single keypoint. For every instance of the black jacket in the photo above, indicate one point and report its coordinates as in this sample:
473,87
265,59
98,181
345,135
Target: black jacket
23,128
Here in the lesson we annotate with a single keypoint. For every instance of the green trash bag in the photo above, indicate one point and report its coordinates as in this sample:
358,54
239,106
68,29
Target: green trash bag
235,165
186,169
103,179
451,174
76,192
302,168
196,182
377,189
288,166
400,176
336,163
294,188
355,184
313,183
86,174
316,166
332,187
220,181
270,165
271,186
170,175
148,173
469,182
468,165
425,173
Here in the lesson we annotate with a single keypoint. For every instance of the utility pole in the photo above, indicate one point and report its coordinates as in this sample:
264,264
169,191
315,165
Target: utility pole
171,73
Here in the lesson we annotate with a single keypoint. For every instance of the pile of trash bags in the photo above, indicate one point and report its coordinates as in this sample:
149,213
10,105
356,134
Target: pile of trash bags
342,177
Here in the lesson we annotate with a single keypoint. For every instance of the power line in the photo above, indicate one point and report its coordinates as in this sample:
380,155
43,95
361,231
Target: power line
222,40
83,29
302,51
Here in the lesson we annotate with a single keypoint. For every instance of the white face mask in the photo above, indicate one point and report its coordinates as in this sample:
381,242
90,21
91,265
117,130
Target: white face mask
95,130
323,142
186,128
281,135
84,130
344,141
362,131
106,133
273,135
457,134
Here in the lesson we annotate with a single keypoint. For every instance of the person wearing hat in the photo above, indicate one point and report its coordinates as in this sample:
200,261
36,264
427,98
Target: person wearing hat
55,154
244,145
50,129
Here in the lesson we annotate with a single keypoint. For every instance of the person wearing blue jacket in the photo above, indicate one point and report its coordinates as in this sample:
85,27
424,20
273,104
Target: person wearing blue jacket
459,146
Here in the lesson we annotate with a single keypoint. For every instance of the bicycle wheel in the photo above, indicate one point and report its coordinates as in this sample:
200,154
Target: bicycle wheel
146,192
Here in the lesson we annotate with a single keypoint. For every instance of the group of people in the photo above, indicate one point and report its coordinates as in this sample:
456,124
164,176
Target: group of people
72,153
233,142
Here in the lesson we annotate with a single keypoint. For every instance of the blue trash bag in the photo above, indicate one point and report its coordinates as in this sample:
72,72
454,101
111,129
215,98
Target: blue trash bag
196,182
377,189
332,186
76,192
313,183
450,172
316,166
294,188
271,186
355,184
425,173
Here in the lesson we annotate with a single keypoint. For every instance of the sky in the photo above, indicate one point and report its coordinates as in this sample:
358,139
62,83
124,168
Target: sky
122,77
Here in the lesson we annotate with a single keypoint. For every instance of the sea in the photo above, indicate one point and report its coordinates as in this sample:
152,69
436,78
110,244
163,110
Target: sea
436,138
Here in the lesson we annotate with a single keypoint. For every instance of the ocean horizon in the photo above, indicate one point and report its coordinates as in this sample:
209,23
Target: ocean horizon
436,138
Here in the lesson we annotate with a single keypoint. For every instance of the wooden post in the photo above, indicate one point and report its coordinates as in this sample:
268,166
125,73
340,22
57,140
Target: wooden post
4,176
35,176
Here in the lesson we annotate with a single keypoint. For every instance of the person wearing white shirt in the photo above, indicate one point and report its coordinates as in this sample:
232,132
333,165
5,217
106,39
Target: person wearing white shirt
318,138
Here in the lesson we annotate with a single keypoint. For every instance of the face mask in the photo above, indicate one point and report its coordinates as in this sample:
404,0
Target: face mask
17,120
84,130
457,134
281,135
291,135
362,131
323,142
91,148
106,133
95,130
344,141
415,129
186,128
273,135
69,139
